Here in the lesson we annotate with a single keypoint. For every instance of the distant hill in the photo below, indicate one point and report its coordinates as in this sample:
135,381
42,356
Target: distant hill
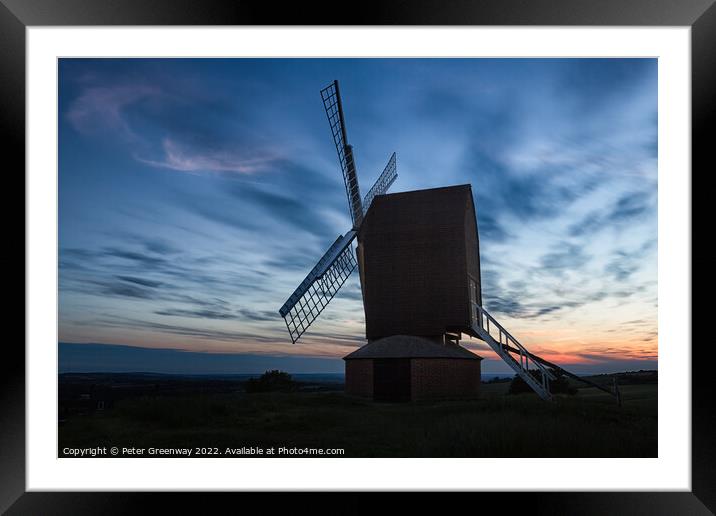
114,358
117,358
642,376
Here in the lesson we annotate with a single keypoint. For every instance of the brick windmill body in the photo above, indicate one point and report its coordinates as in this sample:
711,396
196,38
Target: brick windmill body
419,263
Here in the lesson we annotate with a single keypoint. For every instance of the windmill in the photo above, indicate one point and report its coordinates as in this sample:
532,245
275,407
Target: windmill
419,264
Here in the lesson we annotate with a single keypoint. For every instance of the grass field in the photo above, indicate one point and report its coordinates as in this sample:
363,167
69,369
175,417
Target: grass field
588,424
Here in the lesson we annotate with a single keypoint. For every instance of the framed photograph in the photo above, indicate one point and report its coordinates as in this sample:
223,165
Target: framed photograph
436,249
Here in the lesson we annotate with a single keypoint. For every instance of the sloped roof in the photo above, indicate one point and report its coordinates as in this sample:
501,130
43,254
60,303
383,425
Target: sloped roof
409,346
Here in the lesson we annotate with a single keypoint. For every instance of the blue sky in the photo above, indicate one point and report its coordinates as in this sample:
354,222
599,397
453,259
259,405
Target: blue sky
195,194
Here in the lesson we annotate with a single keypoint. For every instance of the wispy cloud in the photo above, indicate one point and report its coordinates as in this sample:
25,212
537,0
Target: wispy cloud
102,107
180,158
199,314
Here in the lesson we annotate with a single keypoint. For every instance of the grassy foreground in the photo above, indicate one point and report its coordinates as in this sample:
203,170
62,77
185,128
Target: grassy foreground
588,424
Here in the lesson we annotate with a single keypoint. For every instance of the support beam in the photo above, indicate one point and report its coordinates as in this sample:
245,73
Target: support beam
558,369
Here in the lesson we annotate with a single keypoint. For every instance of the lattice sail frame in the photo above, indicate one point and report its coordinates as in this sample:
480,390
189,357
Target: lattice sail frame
318,288
387,178
332,270
331,97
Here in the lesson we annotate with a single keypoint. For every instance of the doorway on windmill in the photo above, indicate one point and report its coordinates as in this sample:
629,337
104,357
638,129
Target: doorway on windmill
391,379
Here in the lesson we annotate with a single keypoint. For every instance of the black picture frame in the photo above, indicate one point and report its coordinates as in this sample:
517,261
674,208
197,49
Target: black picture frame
17,15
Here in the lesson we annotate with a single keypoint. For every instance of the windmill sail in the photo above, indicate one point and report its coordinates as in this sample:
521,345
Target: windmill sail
382,184
318,288
328,275
331,97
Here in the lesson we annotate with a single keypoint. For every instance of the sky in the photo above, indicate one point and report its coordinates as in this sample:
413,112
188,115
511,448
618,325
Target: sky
196,194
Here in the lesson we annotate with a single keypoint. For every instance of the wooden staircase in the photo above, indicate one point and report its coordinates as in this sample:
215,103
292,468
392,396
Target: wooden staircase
507,347
504,344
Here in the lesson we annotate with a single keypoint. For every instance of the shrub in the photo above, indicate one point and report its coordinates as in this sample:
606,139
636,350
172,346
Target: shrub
272,381
559,386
